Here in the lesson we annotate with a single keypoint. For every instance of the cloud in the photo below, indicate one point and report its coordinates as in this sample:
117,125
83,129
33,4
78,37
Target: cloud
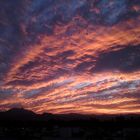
70,56
125,60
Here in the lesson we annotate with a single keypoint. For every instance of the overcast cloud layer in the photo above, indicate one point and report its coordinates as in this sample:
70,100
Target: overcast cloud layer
70,56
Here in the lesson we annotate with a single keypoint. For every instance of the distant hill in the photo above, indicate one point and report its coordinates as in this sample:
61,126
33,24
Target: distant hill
22,115
26,115
18,114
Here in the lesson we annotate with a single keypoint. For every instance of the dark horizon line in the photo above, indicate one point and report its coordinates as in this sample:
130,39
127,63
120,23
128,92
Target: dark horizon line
66,114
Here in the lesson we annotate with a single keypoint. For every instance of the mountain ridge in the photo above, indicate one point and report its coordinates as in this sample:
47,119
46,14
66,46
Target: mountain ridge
27,115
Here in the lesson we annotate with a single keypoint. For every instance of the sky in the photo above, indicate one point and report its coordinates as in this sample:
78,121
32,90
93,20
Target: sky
70,56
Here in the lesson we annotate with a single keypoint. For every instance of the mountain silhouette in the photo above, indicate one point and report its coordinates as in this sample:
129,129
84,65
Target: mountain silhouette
20,114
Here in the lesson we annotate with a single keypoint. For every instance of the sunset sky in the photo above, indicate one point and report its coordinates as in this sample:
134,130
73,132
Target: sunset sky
70,56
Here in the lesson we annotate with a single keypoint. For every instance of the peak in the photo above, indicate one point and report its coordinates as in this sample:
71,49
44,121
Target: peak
17,114
18,110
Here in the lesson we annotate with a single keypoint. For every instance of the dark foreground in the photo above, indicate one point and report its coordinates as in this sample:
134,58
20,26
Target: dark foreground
25,125
70,131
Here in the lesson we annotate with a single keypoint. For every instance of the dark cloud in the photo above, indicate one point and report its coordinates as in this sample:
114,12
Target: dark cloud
10,33
65,54
103,15
84,66
126,60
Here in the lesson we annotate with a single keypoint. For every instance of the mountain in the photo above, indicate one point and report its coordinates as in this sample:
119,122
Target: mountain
18,115
26,115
